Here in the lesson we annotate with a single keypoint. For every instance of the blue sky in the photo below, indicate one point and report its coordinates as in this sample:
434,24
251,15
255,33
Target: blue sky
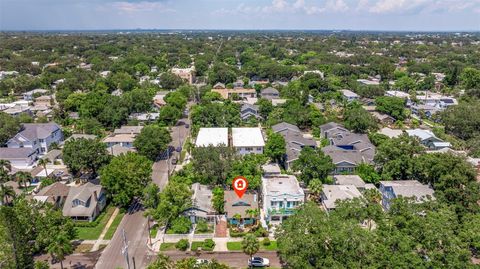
425,15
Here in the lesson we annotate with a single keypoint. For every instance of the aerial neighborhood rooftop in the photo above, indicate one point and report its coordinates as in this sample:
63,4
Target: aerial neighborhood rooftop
257,148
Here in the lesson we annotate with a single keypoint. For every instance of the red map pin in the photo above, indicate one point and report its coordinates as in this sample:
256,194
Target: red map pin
240,185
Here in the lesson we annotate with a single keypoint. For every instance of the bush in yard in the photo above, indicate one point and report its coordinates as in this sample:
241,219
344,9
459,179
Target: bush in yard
202,226
182,245
180,225
208,244
266,242
236,233
261,232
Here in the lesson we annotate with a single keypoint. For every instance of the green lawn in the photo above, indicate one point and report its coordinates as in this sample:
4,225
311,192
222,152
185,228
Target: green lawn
272,246
234,245
92,233
196,245
111,230
154,231
167,246
238,246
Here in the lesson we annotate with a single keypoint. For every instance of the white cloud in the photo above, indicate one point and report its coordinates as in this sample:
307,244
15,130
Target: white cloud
419,6
387,6
287,6
336,6
142,6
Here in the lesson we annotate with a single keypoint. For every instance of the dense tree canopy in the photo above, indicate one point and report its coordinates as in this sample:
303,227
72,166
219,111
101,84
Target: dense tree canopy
313,163
125,177
392,106
9,126
85,155
152,141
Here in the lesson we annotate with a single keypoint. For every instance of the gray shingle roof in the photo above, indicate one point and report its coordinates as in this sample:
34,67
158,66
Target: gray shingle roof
33,131
270,91
339,155
332,126
83,193
285,126
15,153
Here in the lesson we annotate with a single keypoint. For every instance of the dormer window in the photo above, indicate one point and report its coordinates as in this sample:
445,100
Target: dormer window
77,202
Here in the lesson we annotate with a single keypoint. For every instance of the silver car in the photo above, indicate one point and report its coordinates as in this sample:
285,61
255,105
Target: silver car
258,262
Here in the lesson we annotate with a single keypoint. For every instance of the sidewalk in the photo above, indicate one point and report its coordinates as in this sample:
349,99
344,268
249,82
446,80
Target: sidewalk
100,240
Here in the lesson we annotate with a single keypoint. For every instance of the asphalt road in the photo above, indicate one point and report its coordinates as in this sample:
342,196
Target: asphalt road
135,226
134,223
232,259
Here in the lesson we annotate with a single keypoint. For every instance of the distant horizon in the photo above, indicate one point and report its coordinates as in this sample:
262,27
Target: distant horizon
236,30
238,15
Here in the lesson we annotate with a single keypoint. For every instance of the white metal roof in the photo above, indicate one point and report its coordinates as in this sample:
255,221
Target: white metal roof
247,137
212,136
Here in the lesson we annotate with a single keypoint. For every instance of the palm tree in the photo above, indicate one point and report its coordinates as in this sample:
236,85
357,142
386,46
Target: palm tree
250,245
315,187
5,168
23,177
253,213
44,162
60,247
6,192
5,165
237,217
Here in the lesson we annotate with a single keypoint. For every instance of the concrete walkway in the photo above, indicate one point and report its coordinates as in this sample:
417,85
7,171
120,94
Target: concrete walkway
100,240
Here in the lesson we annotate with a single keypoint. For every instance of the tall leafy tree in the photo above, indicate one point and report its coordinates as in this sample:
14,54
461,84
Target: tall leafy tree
125,177
359,120
152,141
392,106
9,126
174,199
396,157
313,163
85,155
275,148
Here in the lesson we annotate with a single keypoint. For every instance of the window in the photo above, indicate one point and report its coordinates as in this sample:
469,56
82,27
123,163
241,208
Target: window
77,202
41,140
280,204
259,149
249,149
273,203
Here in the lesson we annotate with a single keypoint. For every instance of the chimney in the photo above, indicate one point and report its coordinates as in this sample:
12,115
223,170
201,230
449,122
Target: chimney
95,197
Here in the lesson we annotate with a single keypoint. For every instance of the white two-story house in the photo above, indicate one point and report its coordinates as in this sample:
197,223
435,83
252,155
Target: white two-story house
281,196
248,140
37,136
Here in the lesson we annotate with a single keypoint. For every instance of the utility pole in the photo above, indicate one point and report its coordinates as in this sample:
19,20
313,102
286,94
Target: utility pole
125,248
168,162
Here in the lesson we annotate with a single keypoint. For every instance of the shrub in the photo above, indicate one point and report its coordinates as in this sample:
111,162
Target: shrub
236,233
266,242
180,225
202,226
182,245
261,232
208,245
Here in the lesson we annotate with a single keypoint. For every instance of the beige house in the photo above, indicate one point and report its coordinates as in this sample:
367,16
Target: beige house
85,202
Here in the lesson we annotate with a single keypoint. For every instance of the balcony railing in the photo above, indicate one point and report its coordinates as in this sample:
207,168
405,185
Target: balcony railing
282,211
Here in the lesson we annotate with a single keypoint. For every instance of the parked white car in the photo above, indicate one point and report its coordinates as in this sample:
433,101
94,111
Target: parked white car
258,262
